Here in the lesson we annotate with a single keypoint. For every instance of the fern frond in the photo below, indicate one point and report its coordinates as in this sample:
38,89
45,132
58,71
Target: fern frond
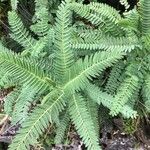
115,78
19,32
106,100
130,22
40,28
25,71
22,104
41,18
38,121
125,4
9,101
84,125
90,67
146,93
108,43
64,56
14,4
100,15
61,129
145,15
92,108
124,93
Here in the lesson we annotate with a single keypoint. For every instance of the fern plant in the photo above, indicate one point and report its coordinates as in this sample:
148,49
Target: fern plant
54,81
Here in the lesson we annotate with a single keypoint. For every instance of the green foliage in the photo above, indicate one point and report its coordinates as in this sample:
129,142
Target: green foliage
54,83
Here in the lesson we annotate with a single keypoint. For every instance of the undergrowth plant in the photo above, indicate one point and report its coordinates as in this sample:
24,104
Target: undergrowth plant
54,75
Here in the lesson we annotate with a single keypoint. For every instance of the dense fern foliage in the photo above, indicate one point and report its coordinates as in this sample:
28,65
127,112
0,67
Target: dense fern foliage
54,75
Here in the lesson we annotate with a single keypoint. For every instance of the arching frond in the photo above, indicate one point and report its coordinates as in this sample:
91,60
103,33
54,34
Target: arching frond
22,104
38,121
108,43
18,32
9,101
90,67
100,15
124,93
61,129
92,108
107,100
24,72
84,125
115,78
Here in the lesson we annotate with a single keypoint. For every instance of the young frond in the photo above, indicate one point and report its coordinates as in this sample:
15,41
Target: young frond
36,123
84,125
125,4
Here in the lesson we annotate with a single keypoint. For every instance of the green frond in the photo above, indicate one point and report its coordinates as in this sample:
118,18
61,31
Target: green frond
18,32
39,5
108,43
130,22
41,18
64,56
92,108
6,79
124,93
14,4
107,100
145,17
125,4
40,28
95,34
146,93
100,15
22,104
90,67
115,78
9,101
61,129
36,123
128,112
25,71
84,125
